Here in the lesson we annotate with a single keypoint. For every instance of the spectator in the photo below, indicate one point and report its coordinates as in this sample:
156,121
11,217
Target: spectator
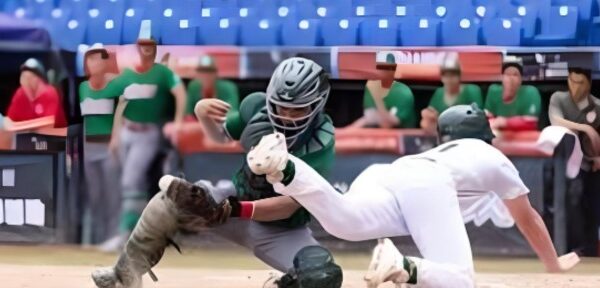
207,85
512,106
97,98
147,104
577,109
453,93
387,103
35,98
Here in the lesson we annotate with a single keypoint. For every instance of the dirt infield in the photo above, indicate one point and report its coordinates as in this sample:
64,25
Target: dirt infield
59,267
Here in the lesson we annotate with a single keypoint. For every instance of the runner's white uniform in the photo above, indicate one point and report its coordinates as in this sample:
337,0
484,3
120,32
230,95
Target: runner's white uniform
415,195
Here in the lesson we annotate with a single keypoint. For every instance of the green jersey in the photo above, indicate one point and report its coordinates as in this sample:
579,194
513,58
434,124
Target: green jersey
149,94
318,151
98,107
399,102
469,93
225,90
528,102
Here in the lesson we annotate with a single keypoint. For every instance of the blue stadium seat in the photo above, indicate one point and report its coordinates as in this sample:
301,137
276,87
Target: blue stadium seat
149,8
223,4
40,8
587,9
177,31
73,34
594,33
260,32
558,26
224,31
258,12
339,32
378,32
132,21
460,31
528,14
57,22
334,8
300,33
418,31
104,29
502,32
104,25
453,8
409,8
77,8
368,8
17,8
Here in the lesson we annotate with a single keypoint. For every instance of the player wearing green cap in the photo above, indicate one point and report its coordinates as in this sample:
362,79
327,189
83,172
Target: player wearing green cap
206,85
420,195
513,106
387,103
98,96
453,93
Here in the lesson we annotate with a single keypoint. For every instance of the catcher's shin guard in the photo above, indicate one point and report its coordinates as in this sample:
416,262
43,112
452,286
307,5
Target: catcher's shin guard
179,206
145,246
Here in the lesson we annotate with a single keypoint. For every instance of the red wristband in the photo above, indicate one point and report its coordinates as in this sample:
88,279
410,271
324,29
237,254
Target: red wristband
247,209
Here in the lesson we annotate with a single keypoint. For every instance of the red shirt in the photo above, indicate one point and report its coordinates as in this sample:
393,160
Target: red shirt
46,104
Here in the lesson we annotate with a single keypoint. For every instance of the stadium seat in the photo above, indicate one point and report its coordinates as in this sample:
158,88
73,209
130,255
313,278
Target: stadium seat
365,8
300,33
460,31
73,34
594,33
149,8
76,8
260,32
40,8
132,21
378,32
334,8
178,31
16,8
421,8
339,32
224,31
558,26
528,14
223,4
418,31
104,26
502,32
453,8
586,10
57,22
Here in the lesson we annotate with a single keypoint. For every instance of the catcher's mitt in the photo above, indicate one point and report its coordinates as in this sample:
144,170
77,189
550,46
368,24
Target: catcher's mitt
196,207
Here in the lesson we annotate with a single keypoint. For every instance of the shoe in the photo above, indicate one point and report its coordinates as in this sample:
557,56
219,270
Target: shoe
388,264
273,280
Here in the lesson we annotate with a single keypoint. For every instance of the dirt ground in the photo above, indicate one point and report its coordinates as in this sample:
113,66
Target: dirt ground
70,267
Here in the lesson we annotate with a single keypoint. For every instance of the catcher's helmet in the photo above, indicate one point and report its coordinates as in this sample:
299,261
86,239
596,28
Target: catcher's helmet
314,267
297,83
464,121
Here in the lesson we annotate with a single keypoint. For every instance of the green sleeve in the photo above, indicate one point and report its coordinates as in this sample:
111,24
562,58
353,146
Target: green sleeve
236,122
231,95
475,95
170,76
404,103
437,99
534,103
491,98
193,96
82,91
368,101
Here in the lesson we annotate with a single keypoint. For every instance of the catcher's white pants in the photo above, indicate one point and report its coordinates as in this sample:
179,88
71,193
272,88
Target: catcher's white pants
413,197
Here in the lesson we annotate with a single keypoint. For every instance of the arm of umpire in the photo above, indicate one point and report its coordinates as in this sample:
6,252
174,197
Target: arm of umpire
532,226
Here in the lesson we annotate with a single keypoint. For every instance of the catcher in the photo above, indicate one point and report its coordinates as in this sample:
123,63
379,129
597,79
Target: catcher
252,214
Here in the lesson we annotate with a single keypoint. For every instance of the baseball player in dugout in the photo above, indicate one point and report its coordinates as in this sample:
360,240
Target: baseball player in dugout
152,95
513,106
402,199
452,93
578,110
251,214
98,97
387,103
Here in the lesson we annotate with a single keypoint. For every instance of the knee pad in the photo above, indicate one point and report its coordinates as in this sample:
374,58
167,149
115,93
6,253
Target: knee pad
314,267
